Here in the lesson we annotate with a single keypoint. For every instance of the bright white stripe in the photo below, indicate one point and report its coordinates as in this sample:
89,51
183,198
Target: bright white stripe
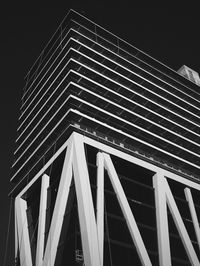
147,165
40,143
42,220
136,74
119,131
134,91
100,203
59,209
136,56
57,153
42,116
179,223
109,114
110,150
47,69
130,63
161,220
193,213
131,112
132,101
130,80
124,88
43,129
175,96
98,96
127,212
44,85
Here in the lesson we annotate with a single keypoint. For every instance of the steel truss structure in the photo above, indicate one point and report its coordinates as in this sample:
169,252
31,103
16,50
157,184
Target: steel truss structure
106,164
91,208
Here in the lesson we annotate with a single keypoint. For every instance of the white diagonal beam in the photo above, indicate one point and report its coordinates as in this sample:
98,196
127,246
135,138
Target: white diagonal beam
86,213
100,203
180,225
126,210
42,220
59,209
23,234
190,201
162,220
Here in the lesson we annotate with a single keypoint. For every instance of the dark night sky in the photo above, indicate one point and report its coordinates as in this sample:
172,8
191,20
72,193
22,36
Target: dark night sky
170,34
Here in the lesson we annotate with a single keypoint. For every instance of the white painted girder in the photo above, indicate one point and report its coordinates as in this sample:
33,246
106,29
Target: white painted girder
166,198
42,220
126,210
59,209
100,203
193,213
86,213
162,221
23,234
92,228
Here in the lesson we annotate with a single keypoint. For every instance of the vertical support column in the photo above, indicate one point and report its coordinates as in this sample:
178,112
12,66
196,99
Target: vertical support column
42,220
100,203
23,235
126,210
162,220
16,233
59,209
85,205
190,201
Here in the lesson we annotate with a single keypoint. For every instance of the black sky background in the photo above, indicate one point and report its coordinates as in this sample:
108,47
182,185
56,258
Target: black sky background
168,33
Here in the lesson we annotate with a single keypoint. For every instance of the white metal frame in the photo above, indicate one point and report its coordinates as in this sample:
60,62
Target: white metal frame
22,235
110,127
189,198
109,114
92,228
125,77
164,197
107,100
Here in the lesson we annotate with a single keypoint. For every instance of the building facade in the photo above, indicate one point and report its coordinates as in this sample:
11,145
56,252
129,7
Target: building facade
106,166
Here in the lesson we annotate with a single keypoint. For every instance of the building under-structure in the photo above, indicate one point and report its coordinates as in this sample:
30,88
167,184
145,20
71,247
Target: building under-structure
107,156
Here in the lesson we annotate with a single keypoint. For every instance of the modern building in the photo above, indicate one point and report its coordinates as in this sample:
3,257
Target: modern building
107,157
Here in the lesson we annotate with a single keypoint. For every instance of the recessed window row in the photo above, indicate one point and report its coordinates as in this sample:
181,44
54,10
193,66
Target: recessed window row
55,77
47,114
54,46
115,109
48,110
49,67
141,210
113,121
52,59
29,170
139,147
58,46
105,116
147,87
92,46
46,125
40,160
29,158
133,129
109,91
45,103
131,93
53,90
137,119
132,52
